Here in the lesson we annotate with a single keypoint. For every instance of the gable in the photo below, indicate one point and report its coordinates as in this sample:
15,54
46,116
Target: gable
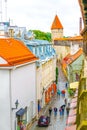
2,61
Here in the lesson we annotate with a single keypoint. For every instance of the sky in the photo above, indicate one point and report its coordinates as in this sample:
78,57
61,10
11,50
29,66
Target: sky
39,14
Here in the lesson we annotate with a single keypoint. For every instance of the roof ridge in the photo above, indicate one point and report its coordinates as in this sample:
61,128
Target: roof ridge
56,23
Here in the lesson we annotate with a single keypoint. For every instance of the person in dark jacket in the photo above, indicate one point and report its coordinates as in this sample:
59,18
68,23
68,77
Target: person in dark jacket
63,108
50,111
67,110
55,111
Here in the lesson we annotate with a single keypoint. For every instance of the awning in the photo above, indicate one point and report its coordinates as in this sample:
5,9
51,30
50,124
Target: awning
71,120
55,88
72,127
74,85
73,105
20,112
72,112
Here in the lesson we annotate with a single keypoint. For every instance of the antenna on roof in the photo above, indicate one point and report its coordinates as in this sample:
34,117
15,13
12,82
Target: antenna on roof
1,10
5,10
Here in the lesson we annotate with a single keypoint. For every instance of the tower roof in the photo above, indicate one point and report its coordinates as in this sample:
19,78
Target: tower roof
56,23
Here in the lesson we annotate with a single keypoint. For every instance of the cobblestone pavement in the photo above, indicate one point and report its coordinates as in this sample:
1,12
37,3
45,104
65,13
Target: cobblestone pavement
57,123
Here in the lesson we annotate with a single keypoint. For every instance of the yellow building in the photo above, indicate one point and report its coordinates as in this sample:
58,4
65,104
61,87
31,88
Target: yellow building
82,92
45,81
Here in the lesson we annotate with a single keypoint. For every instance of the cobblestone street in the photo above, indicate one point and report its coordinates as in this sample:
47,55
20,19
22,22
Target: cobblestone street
57,123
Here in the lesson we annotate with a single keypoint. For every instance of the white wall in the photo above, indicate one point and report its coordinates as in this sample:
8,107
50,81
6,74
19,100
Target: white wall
19,83
23,86
5,115
39,81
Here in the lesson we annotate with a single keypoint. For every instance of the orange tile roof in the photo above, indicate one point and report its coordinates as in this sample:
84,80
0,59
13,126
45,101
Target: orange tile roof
74,38
71,58
15,52
56,23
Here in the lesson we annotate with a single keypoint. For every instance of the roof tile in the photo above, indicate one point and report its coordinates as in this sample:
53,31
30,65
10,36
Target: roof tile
71,58
15,52
56,23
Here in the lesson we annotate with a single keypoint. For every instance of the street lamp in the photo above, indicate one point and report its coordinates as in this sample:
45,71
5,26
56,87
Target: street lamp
16,104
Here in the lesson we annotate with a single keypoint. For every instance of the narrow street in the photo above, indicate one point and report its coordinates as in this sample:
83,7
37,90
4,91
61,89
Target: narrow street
57,123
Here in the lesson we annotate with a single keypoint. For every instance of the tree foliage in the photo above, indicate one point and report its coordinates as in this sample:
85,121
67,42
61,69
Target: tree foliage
56,75
42,35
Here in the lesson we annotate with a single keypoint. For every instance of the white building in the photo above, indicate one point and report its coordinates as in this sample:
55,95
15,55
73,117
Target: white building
18,84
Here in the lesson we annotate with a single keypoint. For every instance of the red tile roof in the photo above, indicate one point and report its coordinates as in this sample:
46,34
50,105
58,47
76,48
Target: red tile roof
74,38
15,52
56,23
71,58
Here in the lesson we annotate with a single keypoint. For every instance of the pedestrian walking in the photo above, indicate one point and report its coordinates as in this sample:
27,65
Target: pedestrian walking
58,92
67,110
65,100
68,102
63,108
55,111
60,111
63,92
50,111
66,85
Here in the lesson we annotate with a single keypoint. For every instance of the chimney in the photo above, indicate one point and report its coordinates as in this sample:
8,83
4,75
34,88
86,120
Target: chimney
80,25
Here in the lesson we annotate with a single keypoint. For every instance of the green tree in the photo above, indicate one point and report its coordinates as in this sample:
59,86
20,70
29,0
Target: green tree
56,75
42,35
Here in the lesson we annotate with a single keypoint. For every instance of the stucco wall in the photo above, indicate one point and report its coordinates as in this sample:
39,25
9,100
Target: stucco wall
5,115
62,51
23,87
57,33
39,80
18,83
46,74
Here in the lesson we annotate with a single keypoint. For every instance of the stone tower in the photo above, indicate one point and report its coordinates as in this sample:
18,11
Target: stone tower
56,29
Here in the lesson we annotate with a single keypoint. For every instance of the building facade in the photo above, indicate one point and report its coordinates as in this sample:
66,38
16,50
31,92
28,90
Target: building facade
72,65
46,70
18,92
82,91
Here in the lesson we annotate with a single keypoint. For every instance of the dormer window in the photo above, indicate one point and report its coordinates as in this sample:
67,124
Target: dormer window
33,50
37,51
50,48
42,50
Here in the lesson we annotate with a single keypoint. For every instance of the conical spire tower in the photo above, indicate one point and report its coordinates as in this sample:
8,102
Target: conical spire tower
56,28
